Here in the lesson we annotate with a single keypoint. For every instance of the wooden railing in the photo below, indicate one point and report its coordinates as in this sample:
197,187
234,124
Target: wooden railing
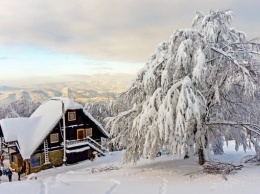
97,144
87,140
8,144
73,142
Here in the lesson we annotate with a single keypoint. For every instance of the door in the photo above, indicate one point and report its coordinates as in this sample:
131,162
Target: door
80,134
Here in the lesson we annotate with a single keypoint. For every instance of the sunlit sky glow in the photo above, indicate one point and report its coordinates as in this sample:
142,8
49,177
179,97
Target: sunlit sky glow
63,37
23,61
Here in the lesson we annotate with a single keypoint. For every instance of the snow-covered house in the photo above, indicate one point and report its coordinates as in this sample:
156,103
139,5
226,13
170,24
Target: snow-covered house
37,142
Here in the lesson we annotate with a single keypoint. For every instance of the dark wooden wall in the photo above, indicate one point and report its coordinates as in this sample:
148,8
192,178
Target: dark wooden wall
71,130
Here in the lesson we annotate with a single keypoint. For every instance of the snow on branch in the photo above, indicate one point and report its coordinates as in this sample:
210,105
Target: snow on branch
224,169
112,122
249,126
104,168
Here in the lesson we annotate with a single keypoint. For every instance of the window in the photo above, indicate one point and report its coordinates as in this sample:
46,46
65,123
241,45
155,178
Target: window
80,134
89,132
54,138
72,116
36,161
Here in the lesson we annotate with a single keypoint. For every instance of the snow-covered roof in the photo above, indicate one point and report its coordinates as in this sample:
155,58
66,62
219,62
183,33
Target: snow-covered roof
30,132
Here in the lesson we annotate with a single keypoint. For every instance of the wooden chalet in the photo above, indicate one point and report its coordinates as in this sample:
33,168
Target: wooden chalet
37,143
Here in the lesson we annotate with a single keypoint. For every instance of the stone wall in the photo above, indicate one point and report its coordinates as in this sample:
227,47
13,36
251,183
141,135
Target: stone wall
55,158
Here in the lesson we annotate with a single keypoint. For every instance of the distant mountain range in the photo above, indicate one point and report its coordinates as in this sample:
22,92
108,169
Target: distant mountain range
8,88
89,89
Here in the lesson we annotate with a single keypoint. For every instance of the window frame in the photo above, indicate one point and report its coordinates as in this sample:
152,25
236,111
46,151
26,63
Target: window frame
54,134
87,129
74,113
37,156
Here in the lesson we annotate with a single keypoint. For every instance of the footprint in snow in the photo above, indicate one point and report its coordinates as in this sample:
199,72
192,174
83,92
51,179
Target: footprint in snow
163,187
113,187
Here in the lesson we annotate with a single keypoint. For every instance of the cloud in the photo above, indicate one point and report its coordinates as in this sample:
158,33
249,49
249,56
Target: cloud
110,29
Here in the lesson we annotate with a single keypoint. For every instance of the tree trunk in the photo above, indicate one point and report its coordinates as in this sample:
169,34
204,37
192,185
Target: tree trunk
201,156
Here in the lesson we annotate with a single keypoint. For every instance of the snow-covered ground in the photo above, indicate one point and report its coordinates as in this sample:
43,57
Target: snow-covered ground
161,176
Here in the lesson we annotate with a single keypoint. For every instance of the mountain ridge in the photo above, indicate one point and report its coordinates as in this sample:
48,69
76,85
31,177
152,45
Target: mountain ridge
95,88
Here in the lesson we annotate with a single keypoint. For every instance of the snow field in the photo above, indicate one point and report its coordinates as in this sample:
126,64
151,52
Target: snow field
164,175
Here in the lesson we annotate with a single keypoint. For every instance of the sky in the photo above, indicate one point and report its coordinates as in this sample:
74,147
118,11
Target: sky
49,38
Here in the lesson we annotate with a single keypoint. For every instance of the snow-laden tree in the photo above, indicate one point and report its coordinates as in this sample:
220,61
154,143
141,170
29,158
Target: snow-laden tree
198,87
103,109
99,110
19,108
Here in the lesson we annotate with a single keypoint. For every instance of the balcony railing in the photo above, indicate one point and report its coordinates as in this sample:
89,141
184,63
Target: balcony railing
88,140
9,144
75,142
